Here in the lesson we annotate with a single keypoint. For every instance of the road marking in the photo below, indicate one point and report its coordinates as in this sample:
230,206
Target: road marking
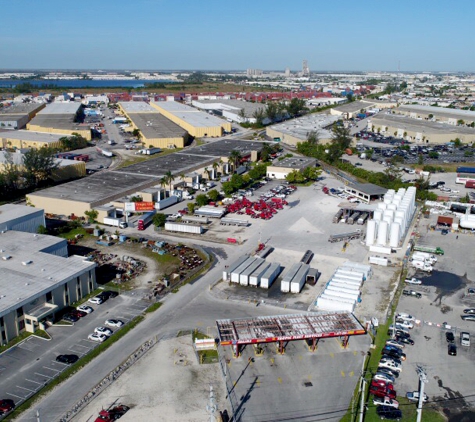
60,363
280,380
351,374
343,374
14,395
332,354
42,375
51,369
35,382
258,382
86,347
355,353
27,389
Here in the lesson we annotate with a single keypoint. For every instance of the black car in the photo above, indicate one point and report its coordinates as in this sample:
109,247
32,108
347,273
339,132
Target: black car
394,354
452,349
70,318
6,405
469,311
108,294
69,359
388,412
399,333
405,340
468,317
449,336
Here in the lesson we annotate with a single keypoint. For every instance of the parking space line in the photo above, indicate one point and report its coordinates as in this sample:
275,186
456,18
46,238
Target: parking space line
51,369
42,375
80,345
60,363
14,395
27,389
35,382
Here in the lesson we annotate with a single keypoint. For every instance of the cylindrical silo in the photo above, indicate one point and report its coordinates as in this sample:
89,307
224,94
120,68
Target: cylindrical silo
401,191
391,192
370,232
387,201
387,219
392,207
382,206
402,223
389,213
382,233
396,202
394,235
378,214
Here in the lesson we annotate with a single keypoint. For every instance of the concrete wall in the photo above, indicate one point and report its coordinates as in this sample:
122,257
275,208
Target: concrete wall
7,142
278,172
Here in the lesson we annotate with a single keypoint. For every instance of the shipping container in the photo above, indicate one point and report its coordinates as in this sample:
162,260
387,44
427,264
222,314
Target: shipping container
285,283
341,293
327,304
356,266
378,260
237,271
245,275
227,221
193,219
255,277
183,228
299,279
347,287
445,221
470,184
268,278
227,272
349,274
465,169
165,203
312,276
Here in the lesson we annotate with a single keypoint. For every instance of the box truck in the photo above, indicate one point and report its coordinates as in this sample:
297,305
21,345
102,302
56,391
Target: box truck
145,220
115,222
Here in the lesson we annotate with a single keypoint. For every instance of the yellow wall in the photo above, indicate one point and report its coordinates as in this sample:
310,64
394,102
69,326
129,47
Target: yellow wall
58,206
163,143
85,133
18,143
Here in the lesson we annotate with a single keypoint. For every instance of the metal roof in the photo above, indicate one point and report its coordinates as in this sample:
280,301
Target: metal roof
453,113
28,135
12,212
288,327
20,108
156,125
190,115
137,107
61,108
368,188
302,126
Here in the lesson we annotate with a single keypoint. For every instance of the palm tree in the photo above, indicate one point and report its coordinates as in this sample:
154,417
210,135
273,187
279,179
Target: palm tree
182,178
208,172
163,183
235,157
169,178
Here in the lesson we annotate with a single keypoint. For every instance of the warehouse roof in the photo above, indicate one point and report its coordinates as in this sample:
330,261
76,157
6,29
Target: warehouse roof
354,106
297,163
20,108
417,125
302,126
368,188
11,212
61,108
28,135
137,107
223,148
439,111
156,125
189,114
59,121
29,272
232,105
17,158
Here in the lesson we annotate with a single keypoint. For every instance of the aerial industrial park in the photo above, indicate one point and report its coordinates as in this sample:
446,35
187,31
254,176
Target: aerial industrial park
264,240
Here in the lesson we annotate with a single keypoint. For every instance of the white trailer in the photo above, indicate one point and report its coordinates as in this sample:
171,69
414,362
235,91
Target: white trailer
422,259
193,219
227,272
209,211
378,260
356,266
255,277
380,249
228,221
165,203
237,272
270,275
244,276
341,294
183,228
326,304
115,222
285,284
349,274
347,281
345,288
299,279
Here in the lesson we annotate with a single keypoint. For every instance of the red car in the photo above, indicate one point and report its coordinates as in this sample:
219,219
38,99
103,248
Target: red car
382,392
77,313
382,384
6,406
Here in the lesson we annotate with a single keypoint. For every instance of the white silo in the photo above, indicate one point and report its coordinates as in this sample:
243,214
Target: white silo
402,224
382,206
387,219
378,214
370,232
396,202
389,213
401,191
388,200
392,207
391,192
394,235
382,233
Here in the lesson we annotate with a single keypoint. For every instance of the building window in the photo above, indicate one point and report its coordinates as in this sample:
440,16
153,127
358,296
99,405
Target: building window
28,321
4,337
49,297
19,312
1,322
21,325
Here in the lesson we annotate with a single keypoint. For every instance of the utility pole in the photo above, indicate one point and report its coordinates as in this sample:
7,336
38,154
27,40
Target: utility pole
422,381
363,383
212,407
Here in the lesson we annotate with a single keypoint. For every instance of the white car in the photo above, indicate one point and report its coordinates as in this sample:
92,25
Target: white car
395,343
103,330
85,308
405,316
393,366
96,300
413,280
385,401
404,323
114,323
414,396
99,338
382,376
465,339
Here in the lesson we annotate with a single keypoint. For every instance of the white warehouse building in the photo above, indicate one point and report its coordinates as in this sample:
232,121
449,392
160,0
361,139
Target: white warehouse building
21,218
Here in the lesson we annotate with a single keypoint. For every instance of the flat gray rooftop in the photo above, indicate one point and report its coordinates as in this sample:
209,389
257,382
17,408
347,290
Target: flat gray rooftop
224,147
28,135
20,108
29,272
354,106
60,108
295,162
59,121
368,188
137,107
448,113
11,211
192,116
301,126
231,105
156,125
98,188
416,125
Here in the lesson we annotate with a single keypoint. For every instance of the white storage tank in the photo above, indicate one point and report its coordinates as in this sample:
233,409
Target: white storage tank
402,225
388,213
387,219
394,235
382,206
370,232
387,201
392,207
401,191
378,214
382,233
391,192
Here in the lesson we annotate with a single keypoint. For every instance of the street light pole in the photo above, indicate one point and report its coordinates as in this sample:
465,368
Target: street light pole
422,381
363,383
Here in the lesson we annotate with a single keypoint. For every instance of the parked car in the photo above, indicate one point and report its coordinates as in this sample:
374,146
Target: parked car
395,343
394,353
468,317
108,294
385,401
399,327
383,376
69,359
414,396
103,330
404,323
388,371
470,311
85,308
449,336
6,405
77,313
386,358
452,349
406,340
382,384
405,317
390,364
412,293
465,339
413,280
388,412
97,337
114,323
382,392
70,318
97,300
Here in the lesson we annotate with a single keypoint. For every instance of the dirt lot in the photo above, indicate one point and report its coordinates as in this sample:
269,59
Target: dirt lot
167,384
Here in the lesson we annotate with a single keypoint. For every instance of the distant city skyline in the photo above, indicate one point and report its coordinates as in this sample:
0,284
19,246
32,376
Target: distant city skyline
215,35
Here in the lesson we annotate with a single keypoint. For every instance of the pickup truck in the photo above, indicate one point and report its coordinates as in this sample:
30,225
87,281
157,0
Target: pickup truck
412,293
413,280
385,401
414,396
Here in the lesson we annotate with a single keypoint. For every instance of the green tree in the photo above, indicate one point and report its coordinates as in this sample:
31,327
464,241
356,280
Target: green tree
42,230
296,106
170,179
39,165
75,141
460,122
266,151
295,176
396,159
235,158
136,133
420,160
202,200
228,188
433,154
237,181
259,116
191,207
271,111
313,137
457,142
242,115
136,198
159,219
213,195
312,173
91,216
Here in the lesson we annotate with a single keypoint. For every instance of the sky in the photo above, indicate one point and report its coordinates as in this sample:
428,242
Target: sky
364,35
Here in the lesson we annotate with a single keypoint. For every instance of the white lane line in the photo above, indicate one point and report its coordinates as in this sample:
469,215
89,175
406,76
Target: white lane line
14,395
27,389
35,382
80,345
42,375
60,363
51,369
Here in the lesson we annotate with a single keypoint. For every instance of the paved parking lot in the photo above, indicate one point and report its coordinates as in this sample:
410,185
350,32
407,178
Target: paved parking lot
27,367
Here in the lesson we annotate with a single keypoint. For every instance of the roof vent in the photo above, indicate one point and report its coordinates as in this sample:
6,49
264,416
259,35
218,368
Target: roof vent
6,257
27,262
27,284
